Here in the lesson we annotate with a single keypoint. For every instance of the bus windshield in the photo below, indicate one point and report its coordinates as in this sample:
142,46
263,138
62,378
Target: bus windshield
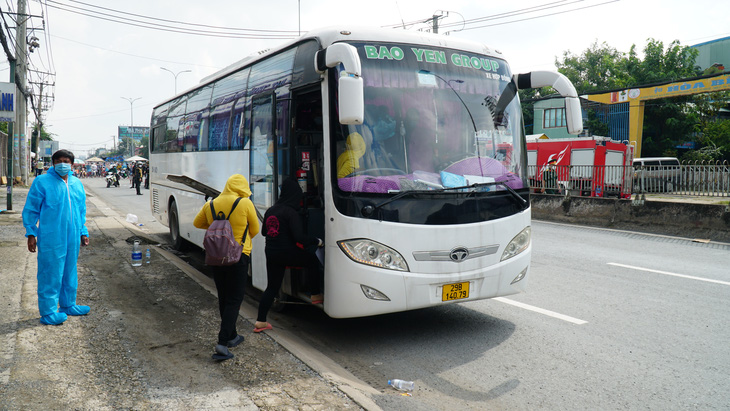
434,119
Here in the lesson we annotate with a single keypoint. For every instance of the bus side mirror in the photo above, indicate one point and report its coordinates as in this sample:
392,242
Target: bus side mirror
573,115
537,79
351,99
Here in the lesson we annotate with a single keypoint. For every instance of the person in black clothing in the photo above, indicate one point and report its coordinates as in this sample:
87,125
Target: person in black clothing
137,177
283,230
146,172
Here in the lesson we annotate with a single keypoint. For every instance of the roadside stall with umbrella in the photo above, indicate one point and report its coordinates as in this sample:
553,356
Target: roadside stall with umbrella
134,159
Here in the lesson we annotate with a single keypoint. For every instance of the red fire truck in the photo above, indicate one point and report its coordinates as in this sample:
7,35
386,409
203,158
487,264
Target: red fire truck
586,166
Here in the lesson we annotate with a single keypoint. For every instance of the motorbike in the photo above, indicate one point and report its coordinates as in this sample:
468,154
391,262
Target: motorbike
112,179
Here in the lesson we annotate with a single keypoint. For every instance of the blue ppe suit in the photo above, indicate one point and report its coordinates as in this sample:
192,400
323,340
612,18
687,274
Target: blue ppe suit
55,213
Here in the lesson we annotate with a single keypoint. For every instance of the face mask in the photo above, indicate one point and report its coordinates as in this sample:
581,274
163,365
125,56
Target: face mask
62,168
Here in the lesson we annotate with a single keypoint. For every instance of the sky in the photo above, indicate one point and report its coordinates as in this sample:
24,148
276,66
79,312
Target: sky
106,74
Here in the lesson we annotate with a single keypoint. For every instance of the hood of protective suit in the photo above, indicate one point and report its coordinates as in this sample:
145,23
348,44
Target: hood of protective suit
237,185
291,194
356,145
349,160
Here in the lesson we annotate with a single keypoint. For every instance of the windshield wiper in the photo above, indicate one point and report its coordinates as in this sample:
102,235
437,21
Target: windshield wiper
520,201
368,210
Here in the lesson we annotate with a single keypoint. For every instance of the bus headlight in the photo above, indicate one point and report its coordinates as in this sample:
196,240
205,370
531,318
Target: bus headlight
518,244
369,252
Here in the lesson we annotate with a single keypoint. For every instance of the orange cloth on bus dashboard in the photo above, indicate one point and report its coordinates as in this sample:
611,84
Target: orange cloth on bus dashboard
349,161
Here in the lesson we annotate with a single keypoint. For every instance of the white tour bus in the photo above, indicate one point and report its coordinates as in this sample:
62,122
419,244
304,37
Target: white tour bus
430,204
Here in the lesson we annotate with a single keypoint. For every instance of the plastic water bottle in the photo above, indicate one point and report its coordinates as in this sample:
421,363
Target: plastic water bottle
401,385
147,256
136,254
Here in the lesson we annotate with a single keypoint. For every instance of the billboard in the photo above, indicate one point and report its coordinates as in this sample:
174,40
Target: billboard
7,102
137,133
47,148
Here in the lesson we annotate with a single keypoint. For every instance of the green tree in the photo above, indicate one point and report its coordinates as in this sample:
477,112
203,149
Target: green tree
145,147
123,149
667,122
660,64
600,67
597,126
44,135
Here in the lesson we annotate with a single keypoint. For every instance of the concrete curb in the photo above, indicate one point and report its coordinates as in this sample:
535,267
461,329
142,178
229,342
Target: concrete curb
684,219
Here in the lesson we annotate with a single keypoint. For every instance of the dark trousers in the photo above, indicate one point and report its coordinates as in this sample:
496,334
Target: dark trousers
230,282
276,263
136,184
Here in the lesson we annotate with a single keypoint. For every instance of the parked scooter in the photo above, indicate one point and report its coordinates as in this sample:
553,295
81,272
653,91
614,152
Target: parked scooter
112,179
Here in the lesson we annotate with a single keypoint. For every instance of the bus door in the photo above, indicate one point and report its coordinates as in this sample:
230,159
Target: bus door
262,178
308,157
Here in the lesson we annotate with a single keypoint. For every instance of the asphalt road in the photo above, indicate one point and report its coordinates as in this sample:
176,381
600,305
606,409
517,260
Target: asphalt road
612,320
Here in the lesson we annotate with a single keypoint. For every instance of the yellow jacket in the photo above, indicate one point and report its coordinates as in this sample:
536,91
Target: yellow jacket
245,212
349,160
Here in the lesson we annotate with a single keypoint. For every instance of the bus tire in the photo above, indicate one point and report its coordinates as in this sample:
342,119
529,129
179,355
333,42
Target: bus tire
280,302
174,224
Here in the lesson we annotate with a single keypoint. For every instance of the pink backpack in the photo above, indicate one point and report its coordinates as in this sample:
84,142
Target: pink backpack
221,247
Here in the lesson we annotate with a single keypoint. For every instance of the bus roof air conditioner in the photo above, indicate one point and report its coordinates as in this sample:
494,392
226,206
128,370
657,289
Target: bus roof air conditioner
350,97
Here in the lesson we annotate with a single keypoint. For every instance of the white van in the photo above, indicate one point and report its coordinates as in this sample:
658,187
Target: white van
658,174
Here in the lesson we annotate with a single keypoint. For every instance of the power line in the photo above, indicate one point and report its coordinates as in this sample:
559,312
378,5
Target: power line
517,12
86,144
133,55
543,15
180,22
508,14
102,114
46,34
478,19
163,27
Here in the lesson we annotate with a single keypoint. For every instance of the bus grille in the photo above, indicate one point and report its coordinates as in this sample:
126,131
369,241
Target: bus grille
155,202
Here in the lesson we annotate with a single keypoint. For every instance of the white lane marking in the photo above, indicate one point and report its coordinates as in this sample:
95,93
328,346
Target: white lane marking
541,311
672,274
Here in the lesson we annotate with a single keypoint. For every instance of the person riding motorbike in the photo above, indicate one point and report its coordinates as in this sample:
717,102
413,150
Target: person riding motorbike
112,178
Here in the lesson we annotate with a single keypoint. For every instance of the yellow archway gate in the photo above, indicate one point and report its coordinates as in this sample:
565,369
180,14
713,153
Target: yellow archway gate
636,97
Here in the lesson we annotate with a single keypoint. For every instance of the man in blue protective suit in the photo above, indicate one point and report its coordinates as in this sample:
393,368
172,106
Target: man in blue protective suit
54,217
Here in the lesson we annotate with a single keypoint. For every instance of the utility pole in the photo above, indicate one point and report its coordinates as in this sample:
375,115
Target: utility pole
36,137
11,143
12,60
435,21
131,126
39,125
21,53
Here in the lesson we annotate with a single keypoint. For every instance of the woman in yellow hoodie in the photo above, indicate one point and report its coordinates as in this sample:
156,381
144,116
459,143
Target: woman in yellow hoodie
230,281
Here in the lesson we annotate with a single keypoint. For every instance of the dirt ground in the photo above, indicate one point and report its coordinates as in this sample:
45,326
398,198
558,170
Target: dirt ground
146,344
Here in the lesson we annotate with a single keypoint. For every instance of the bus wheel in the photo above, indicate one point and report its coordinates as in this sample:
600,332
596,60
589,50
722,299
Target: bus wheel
174,223
280,302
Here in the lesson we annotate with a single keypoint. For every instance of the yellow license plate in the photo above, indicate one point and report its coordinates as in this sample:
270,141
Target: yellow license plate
455,291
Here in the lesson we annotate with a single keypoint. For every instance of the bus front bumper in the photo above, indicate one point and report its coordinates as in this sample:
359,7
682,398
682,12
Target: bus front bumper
347,297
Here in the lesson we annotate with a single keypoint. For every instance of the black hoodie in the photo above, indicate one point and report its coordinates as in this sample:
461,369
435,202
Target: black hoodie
282,225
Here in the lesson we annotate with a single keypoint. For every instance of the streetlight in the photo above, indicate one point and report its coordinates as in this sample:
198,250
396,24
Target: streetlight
175,75
131,126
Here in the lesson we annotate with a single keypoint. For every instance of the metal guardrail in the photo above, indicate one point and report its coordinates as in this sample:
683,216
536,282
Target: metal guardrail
705,179
690,179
